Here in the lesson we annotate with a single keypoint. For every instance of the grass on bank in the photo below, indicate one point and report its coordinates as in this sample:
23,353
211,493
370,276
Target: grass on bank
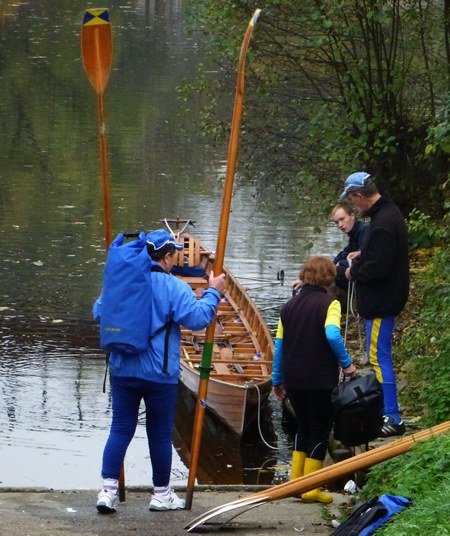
422,354
423,475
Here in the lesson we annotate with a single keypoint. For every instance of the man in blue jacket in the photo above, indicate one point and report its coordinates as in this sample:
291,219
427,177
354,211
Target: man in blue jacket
152,375
381,274
344,217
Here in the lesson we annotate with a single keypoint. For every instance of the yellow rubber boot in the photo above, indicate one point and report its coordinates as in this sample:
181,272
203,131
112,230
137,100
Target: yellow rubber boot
298,464
315,495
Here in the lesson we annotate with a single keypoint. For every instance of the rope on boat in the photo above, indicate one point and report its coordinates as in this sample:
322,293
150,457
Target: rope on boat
259,279
187,222
276,479
270,307
251,384
259,287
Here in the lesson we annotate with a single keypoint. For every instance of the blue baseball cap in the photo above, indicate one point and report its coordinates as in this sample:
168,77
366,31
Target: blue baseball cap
161,238
354,181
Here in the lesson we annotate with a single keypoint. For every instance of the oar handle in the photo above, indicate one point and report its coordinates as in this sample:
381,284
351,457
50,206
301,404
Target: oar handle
105,173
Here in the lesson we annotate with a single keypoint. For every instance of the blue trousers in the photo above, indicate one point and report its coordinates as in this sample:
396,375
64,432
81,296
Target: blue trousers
379,332
160,402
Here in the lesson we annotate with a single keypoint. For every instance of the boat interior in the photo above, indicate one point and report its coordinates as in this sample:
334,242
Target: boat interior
241,349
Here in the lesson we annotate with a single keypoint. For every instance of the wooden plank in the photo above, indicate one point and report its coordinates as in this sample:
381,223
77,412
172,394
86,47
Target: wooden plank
195,282
232,361
234,376
226,355
221,368
196,247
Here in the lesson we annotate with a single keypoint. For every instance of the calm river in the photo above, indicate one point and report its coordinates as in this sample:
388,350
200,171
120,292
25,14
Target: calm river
54,417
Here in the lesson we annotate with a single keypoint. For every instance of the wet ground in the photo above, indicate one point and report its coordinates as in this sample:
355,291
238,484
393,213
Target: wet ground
63,513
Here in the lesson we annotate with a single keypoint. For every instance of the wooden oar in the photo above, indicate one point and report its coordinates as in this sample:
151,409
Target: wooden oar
300,485
205,366
96,51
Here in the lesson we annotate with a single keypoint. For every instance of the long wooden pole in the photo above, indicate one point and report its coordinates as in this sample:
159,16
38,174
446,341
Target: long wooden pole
300,485
205,366
96,51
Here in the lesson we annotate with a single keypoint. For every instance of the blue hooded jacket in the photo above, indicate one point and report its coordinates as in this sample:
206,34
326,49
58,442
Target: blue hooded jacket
173,304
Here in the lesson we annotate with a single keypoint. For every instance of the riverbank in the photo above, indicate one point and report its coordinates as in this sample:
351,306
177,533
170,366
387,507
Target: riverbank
34,512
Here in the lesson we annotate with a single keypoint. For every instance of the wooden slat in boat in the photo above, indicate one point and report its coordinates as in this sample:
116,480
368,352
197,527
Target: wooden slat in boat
238,384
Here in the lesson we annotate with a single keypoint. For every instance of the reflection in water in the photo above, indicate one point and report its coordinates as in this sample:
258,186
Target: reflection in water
54,417
225,458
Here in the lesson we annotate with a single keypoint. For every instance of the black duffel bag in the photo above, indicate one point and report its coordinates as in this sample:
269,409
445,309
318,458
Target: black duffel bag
358,410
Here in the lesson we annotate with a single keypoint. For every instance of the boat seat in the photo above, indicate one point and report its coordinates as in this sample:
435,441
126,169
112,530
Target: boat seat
221,368
195,282
191,254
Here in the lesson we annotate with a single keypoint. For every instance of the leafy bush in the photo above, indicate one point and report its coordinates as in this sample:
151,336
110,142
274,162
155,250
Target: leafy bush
423,232
425,347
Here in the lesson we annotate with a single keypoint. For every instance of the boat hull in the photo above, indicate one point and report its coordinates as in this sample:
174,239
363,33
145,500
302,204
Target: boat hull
237,405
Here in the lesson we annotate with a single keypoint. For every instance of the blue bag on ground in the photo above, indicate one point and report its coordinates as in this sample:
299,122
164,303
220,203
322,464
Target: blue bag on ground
371,515
126,301
358,410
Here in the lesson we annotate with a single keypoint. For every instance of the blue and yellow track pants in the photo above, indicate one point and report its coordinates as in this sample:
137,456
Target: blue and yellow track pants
379,332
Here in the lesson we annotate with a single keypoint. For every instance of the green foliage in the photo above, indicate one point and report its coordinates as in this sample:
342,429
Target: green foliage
424,232
414,474
425,347
439,134
421,474
335,86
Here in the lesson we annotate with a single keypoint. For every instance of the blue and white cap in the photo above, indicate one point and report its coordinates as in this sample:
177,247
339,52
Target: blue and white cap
161,238
354,181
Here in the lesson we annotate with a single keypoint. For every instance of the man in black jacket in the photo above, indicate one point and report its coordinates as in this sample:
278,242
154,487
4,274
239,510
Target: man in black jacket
381,273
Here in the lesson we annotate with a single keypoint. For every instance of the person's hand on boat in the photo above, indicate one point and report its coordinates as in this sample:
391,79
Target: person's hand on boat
217,282
350,371
279,391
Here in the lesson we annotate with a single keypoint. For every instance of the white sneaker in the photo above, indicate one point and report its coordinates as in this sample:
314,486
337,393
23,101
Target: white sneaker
106,502
168,501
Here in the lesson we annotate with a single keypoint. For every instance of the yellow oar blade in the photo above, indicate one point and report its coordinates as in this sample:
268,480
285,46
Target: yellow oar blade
96,47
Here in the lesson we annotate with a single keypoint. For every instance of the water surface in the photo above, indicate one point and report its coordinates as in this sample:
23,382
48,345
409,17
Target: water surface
54,417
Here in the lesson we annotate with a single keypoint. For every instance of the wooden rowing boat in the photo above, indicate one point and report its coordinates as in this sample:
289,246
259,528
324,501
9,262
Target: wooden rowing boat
241,378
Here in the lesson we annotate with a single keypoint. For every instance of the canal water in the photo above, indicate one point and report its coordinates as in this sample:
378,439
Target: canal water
54,416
